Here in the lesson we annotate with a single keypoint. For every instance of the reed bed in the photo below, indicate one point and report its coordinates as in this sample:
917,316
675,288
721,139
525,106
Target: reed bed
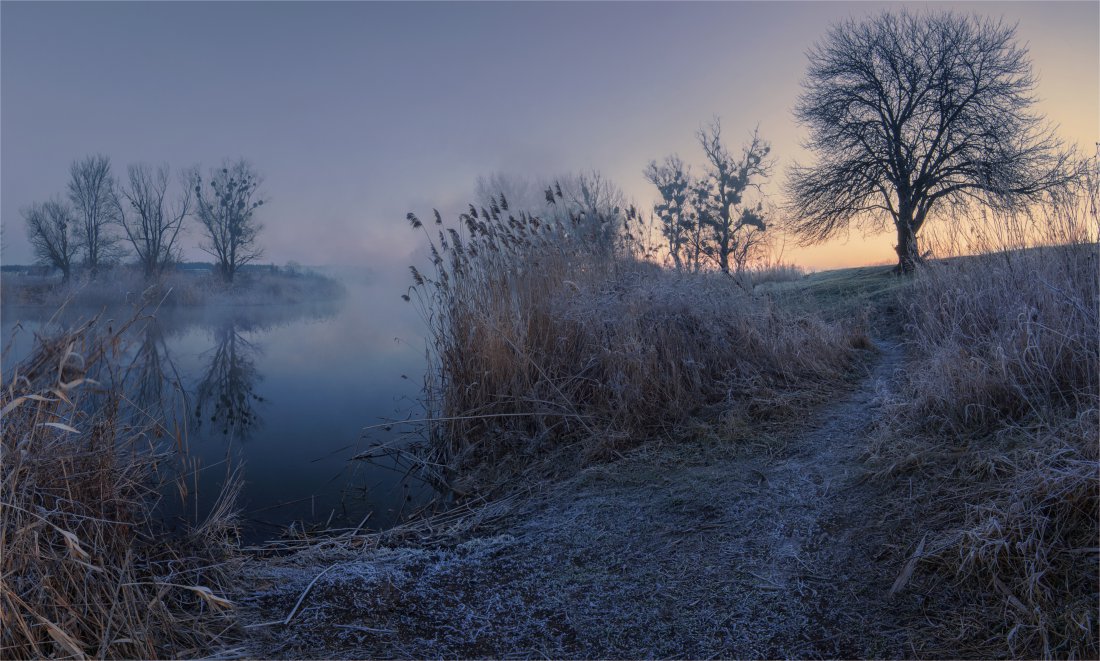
554,338
86,567
996,422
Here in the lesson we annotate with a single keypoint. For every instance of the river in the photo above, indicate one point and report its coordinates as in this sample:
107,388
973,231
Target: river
284,394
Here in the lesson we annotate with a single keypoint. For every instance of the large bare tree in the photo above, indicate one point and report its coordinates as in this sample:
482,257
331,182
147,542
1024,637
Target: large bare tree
225,206
91,189
51,228
151,224
909,113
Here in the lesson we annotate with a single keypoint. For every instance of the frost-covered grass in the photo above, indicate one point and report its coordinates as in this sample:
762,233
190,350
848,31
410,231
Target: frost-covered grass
995,428
554,338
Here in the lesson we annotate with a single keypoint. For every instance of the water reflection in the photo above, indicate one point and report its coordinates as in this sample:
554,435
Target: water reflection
282,392
154,382
225,397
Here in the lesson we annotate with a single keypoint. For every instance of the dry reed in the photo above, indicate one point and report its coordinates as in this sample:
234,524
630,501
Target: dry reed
554,337
86,569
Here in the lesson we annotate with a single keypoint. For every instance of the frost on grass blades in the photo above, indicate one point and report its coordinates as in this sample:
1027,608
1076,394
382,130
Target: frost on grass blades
996,423
555,338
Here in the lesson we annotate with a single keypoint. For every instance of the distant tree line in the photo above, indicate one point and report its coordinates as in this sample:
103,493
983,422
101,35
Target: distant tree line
699,223
911,116
101,219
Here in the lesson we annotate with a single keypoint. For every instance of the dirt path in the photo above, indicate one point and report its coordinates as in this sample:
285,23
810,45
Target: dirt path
737,557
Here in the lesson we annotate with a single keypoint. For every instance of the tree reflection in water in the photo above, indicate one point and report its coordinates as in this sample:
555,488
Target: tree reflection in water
153,383
225,396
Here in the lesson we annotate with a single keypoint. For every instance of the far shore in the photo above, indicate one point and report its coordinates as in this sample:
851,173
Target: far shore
186,285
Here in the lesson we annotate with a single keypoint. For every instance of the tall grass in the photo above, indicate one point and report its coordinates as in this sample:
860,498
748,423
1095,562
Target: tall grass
554,337
775,272
999,414
86,568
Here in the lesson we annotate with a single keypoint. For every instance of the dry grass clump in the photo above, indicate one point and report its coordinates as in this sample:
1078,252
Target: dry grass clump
86,570
999,416
552,335
778,272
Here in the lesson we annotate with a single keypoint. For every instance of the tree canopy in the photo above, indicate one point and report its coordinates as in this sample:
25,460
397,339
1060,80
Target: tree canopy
909,113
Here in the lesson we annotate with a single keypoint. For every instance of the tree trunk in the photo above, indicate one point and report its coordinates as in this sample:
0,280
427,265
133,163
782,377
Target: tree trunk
674,247
724,251
908,255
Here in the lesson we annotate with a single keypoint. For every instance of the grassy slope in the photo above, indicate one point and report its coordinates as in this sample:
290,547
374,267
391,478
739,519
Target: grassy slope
841,292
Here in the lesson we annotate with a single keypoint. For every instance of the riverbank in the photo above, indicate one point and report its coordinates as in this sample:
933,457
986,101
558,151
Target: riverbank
886,519
88,567
762,550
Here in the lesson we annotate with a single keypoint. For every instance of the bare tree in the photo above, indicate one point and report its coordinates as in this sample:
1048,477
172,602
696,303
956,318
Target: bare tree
910,112
227,213
720,197
150,224
91,188
51,229
587,206
590,193
595,206
673,182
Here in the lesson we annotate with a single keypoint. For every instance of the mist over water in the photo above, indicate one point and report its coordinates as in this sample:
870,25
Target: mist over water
280,392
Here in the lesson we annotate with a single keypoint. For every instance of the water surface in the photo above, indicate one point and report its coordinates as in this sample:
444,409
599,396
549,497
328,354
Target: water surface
282,393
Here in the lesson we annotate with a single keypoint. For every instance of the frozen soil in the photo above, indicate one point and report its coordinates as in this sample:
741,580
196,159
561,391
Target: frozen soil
778,551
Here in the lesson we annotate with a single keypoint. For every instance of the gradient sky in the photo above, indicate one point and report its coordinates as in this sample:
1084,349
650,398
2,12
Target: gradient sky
356,113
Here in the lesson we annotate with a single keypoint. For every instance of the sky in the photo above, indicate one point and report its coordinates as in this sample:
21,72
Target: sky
356,113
